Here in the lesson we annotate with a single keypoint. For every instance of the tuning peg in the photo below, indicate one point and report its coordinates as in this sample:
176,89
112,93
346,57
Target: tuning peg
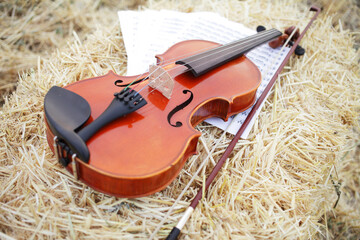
299,50
260,28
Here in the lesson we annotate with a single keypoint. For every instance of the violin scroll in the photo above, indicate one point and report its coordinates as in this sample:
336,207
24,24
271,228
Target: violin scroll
279,41
290,30
283,38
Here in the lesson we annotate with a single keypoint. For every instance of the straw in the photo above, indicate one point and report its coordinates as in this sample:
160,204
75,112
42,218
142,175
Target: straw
280,183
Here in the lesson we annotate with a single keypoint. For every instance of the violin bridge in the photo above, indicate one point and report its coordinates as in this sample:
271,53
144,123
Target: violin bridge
161,80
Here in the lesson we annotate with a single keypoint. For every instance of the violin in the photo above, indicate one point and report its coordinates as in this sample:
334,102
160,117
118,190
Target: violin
129,136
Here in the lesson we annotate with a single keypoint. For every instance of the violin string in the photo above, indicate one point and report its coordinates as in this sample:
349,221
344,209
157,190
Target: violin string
240,41
208,155
136,79
248,39
269,33
249,42
174,90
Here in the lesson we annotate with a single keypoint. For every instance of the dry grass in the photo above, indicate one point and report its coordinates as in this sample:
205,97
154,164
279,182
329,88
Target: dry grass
277,184
32,29
345,13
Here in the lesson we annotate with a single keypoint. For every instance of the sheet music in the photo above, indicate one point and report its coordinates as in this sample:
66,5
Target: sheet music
148,33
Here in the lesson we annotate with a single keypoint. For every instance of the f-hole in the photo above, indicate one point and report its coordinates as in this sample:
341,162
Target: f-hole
119,81
180,107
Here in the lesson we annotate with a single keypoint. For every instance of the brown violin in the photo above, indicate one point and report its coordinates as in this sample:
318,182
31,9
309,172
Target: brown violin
130,136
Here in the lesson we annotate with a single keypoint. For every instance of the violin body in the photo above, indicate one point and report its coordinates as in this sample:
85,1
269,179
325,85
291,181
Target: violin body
142,152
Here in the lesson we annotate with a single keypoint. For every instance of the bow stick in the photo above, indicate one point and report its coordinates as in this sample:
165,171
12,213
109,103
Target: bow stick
177,229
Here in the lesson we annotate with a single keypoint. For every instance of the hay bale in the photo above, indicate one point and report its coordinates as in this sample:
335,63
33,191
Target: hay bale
277,184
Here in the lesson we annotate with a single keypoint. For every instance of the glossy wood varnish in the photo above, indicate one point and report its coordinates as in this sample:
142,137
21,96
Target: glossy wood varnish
141,153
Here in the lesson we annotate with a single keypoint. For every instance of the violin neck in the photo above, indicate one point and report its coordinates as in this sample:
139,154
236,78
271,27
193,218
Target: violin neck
203,62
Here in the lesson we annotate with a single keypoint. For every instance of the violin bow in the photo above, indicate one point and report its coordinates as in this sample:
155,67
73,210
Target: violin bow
177,229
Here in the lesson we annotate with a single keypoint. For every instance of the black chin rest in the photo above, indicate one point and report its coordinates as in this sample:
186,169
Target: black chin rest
65,113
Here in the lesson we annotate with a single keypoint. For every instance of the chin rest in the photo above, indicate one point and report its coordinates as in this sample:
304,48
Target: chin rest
66,112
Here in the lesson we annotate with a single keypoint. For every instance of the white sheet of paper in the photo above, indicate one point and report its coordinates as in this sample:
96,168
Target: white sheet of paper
148,33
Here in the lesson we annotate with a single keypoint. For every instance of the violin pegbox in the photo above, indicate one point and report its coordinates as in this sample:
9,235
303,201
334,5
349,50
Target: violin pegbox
290,31
161,80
